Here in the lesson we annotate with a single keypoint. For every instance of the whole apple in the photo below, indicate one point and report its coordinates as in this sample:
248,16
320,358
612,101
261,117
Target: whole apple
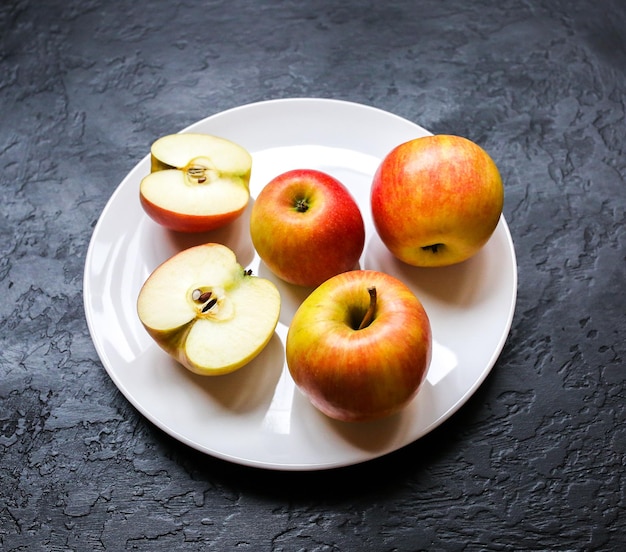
359,346
436,200
306,227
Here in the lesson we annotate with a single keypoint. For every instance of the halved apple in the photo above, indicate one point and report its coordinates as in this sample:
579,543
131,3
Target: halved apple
205,310
197,182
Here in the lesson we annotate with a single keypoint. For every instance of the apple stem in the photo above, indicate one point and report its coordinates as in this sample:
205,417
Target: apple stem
371,309
302,205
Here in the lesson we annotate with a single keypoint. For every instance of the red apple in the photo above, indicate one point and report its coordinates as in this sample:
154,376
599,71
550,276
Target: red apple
306,227
436,200
197,182
359,346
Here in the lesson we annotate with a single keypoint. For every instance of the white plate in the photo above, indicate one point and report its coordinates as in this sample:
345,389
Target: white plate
256,416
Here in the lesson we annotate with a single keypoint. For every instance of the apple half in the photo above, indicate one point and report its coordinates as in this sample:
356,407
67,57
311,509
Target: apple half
197,182
206,311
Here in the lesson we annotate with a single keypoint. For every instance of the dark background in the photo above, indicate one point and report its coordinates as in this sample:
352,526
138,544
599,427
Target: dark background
534,461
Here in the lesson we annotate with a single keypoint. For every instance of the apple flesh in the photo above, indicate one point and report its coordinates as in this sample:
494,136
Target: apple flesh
436,200
197,182
306,227
207,311
359,346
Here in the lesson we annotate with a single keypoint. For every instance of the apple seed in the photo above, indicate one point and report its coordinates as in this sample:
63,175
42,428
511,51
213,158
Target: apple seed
209,305
204,297
201,297
197,173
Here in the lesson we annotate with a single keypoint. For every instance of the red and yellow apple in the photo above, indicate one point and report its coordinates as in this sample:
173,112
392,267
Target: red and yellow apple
359,346
436,200
208,312
306,227
197,182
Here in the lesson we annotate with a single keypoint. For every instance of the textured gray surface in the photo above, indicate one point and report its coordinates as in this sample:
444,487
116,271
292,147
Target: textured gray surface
534,461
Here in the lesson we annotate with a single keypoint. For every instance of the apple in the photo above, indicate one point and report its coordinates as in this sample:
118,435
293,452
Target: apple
205,310
197,182
306,227
359,346
436,200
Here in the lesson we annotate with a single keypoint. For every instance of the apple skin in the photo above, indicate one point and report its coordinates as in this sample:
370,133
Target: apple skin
436,200
356,375
306,248
210,199
187,223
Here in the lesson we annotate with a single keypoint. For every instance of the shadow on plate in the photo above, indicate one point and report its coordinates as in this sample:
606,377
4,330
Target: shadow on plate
291,296
459,284
235,236
372,437
248,389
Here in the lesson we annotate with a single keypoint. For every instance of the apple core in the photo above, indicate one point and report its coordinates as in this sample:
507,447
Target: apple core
212,302
199,170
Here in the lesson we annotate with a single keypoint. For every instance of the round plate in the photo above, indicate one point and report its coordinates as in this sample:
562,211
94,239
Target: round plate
256,416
